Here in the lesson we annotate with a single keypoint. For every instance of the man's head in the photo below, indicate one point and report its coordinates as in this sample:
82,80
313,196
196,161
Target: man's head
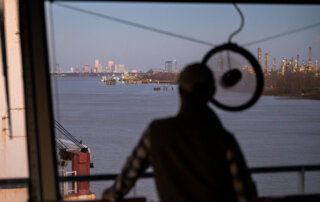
196,84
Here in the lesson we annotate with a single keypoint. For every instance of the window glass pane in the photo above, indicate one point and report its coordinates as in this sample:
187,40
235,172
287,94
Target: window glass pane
102,55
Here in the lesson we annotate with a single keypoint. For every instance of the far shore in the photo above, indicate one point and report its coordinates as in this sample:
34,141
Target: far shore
310,95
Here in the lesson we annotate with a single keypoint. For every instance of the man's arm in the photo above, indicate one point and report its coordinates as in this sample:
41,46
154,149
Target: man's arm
135,165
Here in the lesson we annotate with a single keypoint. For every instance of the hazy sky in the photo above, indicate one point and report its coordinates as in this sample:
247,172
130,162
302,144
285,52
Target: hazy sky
80,38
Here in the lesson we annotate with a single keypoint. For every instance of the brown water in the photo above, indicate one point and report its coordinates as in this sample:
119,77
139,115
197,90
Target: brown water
110,120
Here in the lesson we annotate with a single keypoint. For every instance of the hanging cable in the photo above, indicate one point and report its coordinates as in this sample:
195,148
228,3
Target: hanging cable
130,23
241,24
60,144
67,134
235,32
282,34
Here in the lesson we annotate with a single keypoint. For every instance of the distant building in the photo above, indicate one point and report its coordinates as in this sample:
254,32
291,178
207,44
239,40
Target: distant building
96,63
99,68
71,70
121,68
115,68
110,66
78,70
175,65
87,68
168,66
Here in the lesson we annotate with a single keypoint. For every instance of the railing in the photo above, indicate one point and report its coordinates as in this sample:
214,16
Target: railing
23,182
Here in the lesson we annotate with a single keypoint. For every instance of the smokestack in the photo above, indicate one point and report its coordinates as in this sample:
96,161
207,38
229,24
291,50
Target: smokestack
310,66
266,59
283,66
309,54
259,56
274,64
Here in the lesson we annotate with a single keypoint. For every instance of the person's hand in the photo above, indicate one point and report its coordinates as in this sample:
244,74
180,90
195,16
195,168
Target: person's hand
107,195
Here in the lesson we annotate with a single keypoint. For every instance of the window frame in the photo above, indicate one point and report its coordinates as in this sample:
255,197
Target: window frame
44,180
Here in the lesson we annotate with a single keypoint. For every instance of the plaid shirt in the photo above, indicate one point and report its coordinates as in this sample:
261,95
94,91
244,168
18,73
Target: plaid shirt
140,160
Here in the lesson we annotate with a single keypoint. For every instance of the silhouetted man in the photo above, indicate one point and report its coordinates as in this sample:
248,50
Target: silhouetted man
193,157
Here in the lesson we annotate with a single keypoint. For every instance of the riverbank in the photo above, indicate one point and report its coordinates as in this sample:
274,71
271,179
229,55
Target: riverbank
311,94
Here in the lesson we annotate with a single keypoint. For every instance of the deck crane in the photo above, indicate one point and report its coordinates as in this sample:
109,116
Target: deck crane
70,149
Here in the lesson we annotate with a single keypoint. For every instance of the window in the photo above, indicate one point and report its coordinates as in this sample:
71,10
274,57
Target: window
109,119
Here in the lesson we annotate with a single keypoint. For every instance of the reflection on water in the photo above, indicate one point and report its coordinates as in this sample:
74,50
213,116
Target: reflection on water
110,119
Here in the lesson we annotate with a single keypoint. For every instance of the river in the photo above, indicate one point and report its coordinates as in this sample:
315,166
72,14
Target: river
110,120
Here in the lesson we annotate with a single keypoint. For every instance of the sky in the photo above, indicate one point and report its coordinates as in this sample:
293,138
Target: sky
77,38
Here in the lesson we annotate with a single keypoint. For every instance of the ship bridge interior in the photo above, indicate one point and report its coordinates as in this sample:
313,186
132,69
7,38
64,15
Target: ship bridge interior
38,144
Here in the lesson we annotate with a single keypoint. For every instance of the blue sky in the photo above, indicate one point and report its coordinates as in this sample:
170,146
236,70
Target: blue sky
79,37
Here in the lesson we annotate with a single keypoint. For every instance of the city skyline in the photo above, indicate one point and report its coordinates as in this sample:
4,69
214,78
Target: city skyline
267,64
80,37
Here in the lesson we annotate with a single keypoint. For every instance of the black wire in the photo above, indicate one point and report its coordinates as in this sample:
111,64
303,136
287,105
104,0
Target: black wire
67,134
61,143
161,31
282,34
235,32
65,131
64,134
186,37
241,25
75,142
69,139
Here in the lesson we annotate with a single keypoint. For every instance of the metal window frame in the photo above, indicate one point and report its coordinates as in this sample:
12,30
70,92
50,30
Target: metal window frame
43,182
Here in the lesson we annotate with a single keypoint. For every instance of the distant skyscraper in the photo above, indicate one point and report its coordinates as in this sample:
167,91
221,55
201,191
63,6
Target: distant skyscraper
99,68
298,64
175,64
71,69
96,63
110,66
168,66
316,65
121,68
87,68
115,68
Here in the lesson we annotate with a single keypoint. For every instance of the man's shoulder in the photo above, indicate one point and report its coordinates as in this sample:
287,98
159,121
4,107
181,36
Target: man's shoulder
163,121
